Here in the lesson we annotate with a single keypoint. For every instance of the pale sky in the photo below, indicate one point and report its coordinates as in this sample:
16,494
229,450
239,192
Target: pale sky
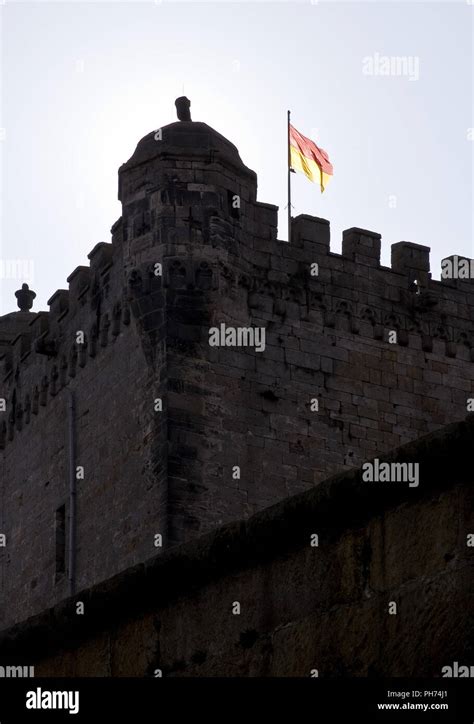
82,82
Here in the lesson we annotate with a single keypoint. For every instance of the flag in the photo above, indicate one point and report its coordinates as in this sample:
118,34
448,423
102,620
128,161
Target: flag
307,157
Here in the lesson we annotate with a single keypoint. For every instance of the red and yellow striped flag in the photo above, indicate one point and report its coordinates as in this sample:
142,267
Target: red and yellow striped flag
307,157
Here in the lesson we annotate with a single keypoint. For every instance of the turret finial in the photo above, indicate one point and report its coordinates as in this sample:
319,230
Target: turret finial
24,298
183,105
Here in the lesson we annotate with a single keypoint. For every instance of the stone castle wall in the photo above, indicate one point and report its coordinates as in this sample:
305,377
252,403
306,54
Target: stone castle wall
121,500
173,471
327,338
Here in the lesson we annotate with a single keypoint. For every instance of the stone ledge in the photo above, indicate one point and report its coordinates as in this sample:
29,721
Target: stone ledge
336,505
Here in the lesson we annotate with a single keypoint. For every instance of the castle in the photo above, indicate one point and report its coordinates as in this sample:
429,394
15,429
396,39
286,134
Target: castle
123,432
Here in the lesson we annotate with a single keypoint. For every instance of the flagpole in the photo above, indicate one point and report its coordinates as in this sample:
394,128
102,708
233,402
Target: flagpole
289,182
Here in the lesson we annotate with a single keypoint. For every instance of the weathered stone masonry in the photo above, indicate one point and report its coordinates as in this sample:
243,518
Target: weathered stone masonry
301,607
170,472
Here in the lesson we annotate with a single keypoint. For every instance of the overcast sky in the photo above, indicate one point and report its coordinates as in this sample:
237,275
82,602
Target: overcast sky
82,82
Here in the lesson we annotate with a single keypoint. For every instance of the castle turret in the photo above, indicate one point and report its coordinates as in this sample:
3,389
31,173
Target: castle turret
186,184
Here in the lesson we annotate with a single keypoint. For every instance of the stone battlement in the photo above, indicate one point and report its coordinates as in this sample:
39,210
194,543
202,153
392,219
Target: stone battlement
351,292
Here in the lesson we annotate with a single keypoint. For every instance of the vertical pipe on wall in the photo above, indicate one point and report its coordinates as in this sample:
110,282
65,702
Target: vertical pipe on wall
72,492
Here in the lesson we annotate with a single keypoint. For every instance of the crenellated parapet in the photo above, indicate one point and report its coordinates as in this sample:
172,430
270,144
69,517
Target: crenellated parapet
300,282
353,292
50,348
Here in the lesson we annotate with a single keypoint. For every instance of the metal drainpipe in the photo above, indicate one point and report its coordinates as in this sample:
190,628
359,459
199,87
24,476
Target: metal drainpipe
72,493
